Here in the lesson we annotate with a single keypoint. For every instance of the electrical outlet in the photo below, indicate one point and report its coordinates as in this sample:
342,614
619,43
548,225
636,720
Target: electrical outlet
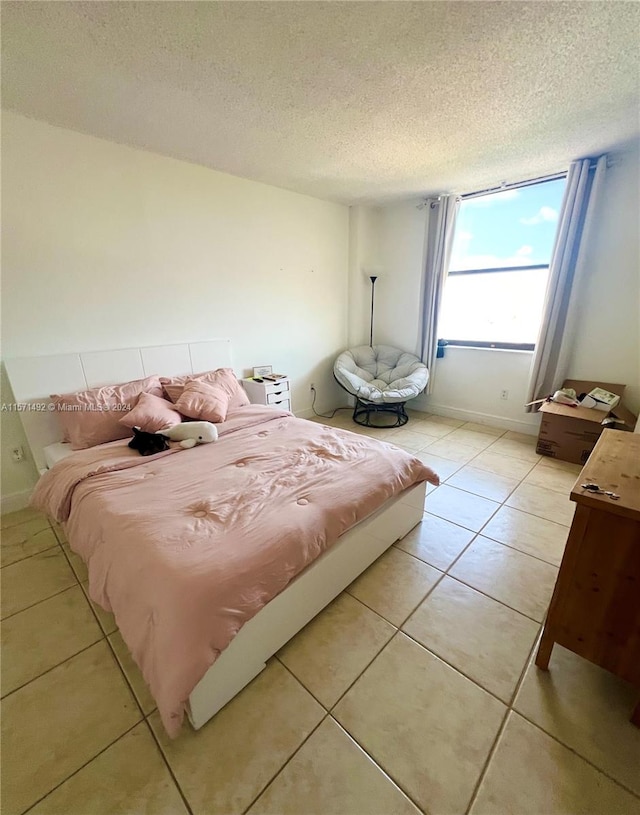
504,394
312,386
17,454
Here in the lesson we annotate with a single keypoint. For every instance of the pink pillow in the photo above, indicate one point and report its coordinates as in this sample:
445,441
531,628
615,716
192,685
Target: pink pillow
224,377
152,413
199,400
93,417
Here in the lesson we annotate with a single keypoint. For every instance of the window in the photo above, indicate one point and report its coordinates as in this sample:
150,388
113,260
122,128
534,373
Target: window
501,252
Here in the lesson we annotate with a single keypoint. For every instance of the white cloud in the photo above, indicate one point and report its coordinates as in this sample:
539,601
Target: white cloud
524,250
544,214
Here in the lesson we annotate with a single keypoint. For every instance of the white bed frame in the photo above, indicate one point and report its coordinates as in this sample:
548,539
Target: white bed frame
34,378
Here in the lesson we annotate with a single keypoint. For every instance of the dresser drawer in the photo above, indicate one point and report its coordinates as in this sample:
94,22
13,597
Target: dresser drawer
276,387
277,396
283,404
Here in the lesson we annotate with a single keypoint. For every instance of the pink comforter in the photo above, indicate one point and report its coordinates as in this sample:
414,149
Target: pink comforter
186,546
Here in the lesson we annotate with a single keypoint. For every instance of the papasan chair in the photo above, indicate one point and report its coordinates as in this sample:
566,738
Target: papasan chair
382,379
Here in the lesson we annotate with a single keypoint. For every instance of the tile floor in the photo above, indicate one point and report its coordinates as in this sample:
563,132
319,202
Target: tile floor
412,692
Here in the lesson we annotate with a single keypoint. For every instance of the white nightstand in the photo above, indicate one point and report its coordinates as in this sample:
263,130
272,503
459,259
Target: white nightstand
276,394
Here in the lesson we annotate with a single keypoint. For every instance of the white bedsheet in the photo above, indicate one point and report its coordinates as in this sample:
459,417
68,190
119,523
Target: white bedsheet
56,452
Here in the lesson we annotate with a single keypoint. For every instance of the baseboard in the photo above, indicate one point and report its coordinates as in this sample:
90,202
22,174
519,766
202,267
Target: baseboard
520,426
15,501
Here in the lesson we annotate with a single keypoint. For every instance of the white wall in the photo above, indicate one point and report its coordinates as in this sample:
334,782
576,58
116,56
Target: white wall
105,246
468,382
364,261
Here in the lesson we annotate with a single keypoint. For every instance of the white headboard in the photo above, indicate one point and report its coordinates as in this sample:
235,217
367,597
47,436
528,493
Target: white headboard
34,378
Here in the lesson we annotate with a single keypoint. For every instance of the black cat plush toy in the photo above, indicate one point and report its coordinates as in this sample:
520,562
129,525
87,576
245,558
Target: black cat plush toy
148,444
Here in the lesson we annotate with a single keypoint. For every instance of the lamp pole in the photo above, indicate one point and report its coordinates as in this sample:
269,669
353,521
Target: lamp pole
373,279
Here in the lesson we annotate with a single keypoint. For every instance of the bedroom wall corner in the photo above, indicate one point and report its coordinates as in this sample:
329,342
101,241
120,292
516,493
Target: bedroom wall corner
17,478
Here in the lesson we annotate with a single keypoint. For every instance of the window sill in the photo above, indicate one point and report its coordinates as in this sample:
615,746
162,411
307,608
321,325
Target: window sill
514,350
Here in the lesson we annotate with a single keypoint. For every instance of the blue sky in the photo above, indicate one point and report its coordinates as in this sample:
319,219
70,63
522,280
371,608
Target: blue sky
512,228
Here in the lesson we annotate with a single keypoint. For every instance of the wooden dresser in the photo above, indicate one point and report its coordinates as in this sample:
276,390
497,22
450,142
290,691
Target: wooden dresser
595,608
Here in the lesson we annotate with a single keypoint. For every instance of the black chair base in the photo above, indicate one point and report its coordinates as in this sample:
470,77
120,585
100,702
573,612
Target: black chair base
392,414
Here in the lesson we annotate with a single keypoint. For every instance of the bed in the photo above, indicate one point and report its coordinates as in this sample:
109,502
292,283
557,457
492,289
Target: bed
206,572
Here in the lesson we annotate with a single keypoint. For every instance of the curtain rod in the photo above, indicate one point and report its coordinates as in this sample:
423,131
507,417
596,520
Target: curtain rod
529,182
515,185
539,180
502,188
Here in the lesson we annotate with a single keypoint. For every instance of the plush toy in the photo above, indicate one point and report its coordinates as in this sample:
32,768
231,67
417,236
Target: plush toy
191,433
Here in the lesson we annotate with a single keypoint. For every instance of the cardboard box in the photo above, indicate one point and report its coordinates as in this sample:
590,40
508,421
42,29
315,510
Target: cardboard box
570,433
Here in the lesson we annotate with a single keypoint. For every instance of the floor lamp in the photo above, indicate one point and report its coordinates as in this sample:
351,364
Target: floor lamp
373,279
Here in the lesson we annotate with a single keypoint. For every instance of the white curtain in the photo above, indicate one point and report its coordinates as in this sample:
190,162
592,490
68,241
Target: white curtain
441,218
550,363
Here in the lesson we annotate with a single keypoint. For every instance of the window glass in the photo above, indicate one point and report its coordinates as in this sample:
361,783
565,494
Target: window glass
515,228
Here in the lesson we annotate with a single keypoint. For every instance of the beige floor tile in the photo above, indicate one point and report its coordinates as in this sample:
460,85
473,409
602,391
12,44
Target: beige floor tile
531,774
414,413
446,421
77,563
453,450
24,540
329,654
441,466
128,777
58,722
132,672
44,635
515,579
332,774
502,465
433,430
552,478
382,433
586,708
436,541
524,438
394,585
543,502
484,428
522,450
480,482
528,533
557,464
226,764
462,508
471,438
34,579
22,516
482,638
412,439
426,725
105,618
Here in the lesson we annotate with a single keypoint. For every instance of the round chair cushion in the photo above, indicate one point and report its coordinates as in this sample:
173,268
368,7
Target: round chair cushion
381,374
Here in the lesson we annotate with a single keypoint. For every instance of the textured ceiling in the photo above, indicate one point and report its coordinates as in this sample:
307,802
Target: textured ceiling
347,101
